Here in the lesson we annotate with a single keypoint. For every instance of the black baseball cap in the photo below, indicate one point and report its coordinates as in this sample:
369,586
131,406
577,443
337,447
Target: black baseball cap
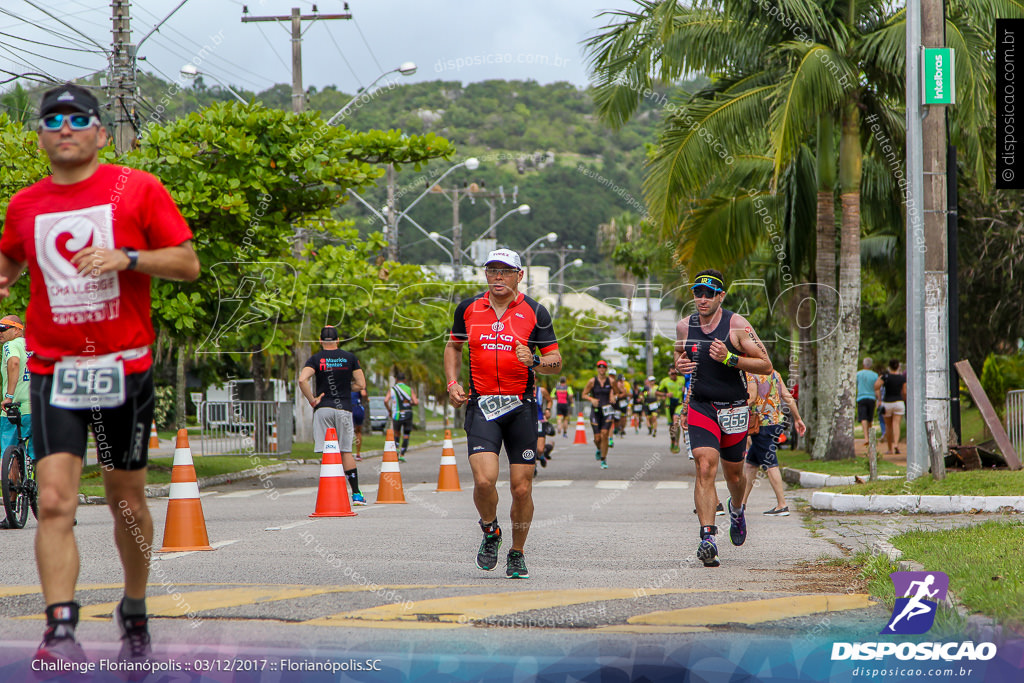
70,96
329,333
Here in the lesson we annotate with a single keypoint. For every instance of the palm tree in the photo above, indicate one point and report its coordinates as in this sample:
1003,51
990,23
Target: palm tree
18,104
787,75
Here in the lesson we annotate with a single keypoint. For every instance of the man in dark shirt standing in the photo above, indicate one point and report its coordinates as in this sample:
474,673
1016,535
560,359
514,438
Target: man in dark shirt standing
337,375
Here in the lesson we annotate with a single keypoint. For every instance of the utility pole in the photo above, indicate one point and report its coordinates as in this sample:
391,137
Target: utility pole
392,216
296,18
456,195
456,235
562,252
936,259
122,77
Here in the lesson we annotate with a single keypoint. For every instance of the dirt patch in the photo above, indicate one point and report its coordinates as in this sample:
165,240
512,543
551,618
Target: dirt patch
826,577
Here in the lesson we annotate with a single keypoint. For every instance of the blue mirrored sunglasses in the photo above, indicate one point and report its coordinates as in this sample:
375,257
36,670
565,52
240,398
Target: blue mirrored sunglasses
75,121
703,292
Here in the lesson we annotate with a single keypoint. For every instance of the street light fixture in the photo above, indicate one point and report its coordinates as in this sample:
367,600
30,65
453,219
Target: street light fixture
405,68
190,72
522,210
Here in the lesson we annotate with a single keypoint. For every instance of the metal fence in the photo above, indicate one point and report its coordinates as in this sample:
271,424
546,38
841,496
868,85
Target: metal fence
246,428
1015,419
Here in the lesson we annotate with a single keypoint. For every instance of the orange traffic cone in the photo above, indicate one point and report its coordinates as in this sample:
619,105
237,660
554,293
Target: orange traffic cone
448,477
581,431
273,440
332,496
154,440
185,527
389,488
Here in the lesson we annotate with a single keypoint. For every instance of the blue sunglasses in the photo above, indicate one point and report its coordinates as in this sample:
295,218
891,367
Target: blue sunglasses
54,122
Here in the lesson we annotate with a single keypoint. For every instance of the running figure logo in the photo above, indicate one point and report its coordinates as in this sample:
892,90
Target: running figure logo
914,612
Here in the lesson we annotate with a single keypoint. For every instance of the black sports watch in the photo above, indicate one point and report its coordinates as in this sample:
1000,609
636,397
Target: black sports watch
133,257
536,361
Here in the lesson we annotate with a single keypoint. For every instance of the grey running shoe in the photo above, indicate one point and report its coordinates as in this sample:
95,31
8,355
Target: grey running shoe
515,566
59,646
778,512
487,556
707,552
720,510
135,641
737,524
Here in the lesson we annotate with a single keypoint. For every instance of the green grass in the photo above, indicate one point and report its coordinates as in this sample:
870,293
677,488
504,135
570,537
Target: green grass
989,583
974,483
801,460
159,471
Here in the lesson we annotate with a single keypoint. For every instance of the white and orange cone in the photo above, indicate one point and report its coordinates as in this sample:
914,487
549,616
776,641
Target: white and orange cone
389,488
154,439
332,496
581,431
185,526
273,439
448,477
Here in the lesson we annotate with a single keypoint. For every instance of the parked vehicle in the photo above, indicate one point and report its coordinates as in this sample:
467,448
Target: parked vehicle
378,414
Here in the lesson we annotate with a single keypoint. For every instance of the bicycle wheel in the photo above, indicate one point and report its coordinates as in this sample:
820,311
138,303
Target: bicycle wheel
12,478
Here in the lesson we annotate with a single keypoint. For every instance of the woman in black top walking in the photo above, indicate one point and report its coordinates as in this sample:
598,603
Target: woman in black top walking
891,392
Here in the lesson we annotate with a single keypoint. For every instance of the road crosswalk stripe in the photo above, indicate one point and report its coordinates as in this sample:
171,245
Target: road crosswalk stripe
754,611
552,483
672,485
619,484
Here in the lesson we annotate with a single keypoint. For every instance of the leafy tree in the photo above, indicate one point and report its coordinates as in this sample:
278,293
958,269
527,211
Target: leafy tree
787,73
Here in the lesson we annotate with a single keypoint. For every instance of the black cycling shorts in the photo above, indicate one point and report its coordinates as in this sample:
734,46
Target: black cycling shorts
402,427
705,432
516,430
599,421
122,433
562,409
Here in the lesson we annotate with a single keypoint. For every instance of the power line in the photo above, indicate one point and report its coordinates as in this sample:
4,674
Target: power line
56,47
49,59
234,73
267,38
351,70
61,21
365,42
37,24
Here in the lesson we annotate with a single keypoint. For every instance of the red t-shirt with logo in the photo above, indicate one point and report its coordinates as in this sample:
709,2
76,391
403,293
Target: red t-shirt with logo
72,315
493,366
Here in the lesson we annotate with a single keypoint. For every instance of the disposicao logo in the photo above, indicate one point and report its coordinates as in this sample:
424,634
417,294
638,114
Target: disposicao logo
914,613
918,595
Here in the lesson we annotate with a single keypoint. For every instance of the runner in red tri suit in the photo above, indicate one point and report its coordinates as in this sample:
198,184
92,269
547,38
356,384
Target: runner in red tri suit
505,331
91,236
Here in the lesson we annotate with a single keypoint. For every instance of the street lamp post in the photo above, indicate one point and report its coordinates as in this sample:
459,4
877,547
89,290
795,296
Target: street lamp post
406,69
190,72
561,279
550,237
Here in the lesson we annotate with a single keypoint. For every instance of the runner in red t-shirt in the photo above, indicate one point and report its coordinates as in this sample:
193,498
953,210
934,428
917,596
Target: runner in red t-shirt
91,236
504,330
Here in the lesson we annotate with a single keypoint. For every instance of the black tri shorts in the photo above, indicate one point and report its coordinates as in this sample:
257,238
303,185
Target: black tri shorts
516,430
705,431
121,433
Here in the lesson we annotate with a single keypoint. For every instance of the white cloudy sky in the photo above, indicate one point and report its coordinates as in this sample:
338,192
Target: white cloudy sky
450,39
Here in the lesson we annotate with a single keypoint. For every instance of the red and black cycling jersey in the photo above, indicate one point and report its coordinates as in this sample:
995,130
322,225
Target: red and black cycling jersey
493,366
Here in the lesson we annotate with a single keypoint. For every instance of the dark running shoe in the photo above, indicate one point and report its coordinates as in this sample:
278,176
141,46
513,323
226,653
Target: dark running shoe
59,646
720,510
487,556
737,525
778,512
135,641
707,552
547,450
515,566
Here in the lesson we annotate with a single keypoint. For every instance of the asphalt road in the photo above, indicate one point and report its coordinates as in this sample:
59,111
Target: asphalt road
610,553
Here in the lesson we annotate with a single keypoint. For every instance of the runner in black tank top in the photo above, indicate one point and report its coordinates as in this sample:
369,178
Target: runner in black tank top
715,346
600,393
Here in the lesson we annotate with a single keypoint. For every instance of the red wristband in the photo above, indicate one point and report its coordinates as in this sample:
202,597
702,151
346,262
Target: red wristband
452,383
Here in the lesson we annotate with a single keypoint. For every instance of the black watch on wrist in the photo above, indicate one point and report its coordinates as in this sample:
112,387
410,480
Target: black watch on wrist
133,257
536,361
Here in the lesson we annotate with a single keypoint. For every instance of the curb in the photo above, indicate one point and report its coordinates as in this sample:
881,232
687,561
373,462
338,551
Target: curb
161,490
847,502
982,628
816,480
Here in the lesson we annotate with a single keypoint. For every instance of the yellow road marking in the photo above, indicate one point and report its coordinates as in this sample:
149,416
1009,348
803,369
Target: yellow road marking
11,591
753,611
454,612
650,630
